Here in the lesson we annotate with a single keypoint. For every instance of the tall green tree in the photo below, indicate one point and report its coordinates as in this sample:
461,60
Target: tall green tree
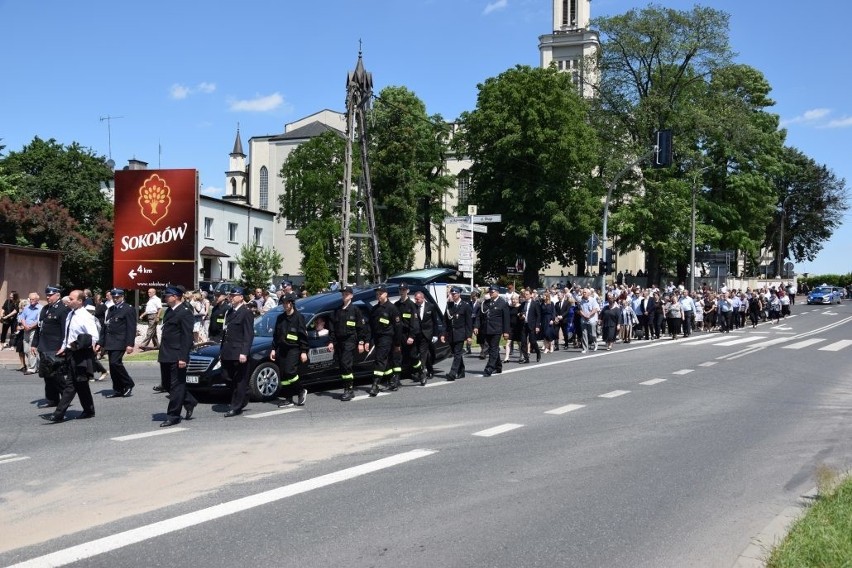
313,178
317,274
258,265
533,154
406,157
52,197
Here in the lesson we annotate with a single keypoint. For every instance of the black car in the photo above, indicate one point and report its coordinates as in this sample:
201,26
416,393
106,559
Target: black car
204,372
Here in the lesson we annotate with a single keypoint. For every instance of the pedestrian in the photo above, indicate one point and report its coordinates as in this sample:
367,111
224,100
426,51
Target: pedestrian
29,320
386,332
588,308
235,349
627,320
118,338
430,332
530,316
175,344
515,325
48,340
152,316
674,315
407,363
493,319
80,337
458,327
610,320
217,316
289,350
9,319
549,326
348,334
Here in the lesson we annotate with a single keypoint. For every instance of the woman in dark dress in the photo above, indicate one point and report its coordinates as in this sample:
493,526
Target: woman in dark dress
610,318
515,325
9,317
548,330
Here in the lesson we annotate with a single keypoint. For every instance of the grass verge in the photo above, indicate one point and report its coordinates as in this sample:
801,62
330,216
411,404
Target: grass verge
823,536
142,356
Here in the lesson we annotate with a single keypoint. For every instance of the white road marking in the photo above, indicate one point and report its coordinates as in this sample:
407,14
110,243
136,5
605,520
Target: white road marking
837,346
273,412
613,394
740,340
803,344
713,338
147,532
707,364
683,372
438,383
497,430
653,382
163,432
366,396
566,409
9,458
830,313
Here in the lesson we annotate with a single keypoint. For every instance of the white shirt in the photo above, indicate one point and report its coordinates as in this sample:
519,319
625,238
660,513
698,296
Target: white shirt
154,305
80,321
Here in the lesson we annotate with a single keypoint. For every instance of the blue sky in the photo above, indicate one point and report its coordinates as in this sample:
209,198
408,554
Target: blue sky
182,75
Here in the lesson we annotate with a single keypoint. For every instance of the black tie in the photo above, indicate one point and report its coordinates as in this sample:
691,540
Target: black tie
68,326
642,306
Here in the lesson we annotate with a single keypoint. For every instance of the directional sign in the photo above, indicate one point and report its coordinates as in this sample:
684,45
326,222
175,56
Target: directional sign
456,220
465,267
487,218
465,247
479,228
467,274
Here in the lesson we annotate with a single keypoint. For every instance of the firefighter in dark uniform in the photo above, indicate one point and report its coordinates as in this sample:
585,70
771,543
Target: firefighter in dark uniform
235,350
290,349
217,316
118,337
407,363
175,345
459,329
431,329
386,329
348,333
493,321
47,339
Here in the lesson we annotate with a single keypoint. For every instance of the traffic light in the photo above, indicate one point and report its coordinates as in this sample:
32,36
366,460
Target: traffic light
609,263
663,149
602,267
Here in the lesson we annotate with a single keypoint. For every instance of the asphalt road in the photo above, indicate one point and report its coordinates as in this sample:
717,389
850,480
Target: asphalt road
667,453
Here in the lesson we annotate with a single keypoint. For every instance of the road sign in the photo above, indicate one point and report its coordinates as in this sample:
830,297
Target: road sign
465,256
465,267
471,209
467,274
487,218
456,220
479,228
511,270
465,247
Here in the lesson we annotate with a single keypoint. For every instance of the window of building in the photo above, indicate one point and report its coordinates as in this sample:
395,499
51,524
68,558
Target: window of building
463,184
232,232
258,232
291,222
208,227
232,270
233,186
264,188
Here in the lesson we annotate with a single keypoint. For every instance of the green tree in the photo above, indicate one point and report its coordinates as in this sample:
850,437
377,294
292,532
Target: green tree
406,157
313,177
533,153
258,265
52,198
317,275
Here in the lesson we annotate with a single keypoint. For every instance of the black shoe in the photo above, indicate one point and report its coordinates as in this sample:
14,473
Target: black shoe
169,422
285,403
374,390
348,394
86,414
451,377
461,374
55,418
115,394
498,371
189,410
128,391
300,400
158,388
538,357
232,413
486,373
48,404
393,383
424,378
523,360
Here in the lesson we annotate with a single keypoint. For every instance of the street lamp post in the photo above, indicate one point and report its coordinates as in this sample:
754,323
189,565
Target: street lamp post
781,254
692,241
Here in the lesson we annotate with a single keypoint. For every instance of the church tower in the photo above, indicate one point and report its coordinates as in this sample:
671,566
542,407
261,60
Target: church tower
572,43
236,178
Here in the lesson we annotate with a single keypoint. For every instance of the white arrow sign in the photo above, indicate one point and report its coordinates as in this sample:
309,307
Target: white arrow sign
467,274
463,265
479,228
132,274
456,220
487,218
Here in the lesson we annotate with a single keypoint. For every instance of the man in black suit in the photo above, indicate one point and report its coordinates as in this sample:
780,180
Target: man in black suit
217,317
238,334
175,344
118,337
560,320
645,311
530,315
493,321
47,340
459,329
431,328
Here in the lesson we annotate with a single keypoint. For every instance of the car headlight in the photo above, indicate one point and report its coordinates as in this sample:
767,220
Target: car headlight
217,365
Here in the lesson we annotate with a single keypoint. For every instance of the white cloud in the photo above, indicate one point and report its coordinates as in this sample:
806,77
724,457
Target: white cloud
840,122
258,104
494,6
179,92
809,116
213,191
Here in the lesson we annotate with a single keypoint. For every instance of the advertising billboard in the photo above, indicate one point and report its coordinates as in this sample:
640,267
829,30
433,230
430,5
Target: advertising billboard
155,228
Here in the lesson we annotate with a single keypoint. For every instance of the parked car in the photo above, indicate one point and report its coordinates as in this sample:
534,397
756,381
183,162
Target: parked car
825,295
204,372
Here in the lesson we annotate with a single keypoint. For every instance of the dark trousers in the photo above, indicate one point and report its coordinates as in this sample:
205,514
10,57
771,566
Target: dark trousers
52,374
407,360
528,342
178,396
383,366
492,343
645,325
344,352
426,351
457,349
288,367
71,385
687,322
237,373
121,380
657,320
7,325
726,321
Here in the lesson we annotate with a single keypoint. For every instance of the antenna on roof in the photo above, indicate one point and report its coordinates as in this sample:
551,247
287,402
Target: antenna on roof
109,120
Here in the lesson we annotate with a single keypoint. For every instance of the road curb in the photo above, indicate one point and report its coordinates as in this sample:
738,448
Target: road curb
756,553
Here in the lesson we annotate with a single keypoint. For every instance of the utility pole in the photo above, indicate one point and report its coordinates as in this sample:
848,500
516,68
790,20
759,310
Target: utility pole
109,120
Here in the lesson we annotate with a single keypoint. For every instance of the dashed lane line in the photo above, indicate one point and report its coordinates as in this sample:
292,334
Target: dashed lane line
683,372
653,382
566,409
837,346
9,458
366,396
739,340
147,532
613,394
497,430
803,344
162,432
707,364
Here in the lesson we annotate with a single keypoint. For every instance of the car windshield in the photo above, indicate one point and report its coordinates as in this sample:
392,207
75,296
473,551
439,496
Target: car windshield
264,324
822,290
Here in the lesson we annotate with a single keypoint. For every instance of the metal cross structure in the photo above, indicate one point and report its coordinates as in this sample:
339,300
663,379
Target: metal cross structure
359,91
